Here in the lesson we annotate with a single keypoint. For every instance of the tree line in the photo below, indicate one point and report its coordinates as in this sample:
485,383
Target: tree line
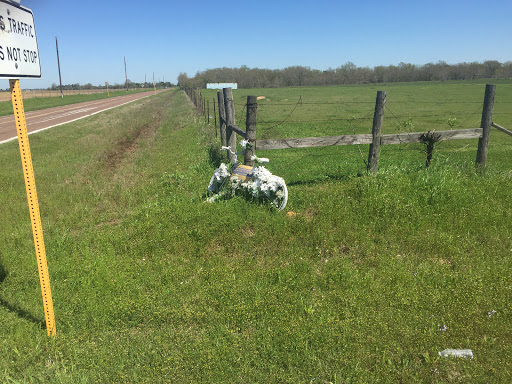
348,73
131,84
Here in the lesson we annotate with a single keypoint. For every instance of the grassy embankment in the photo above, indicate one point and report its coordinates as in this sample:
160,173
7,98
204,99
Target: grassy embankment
366,281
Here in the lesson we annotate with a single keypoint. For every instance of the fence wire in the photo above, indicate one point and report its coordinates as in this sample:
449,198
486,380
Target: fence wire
271,121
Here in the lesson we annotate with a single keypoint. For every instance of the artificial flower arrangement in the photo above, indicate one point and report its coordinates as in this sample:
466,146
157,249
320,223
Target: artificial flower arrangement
261,186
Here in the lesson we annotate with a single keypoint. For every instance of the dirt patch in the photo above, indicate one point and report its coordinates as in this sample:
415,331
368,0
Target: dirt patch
111,223
130,143
311,213
247,232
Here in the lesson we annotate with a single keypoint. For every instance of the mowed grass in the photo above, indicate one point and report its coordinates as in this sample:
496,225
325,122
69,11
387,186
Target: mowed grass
363,279
36,103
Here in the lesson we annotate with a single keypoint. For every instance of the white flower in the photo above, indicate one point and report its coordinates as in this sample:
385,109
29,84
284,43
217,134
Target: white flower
244,143
223,170
219,176
264,186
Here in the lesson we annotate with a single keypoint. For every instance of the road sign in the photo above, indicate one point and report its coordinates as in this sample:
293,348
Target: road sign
19,55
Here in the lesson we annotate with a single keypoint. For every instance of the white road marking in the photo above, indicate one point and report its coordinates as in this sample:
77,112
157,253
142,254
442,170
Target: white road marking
70,121
65,114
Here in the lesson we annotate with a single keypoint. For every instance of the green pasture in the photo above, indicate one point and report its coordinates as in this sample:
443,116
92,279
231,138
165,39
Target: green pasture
361,279
410,107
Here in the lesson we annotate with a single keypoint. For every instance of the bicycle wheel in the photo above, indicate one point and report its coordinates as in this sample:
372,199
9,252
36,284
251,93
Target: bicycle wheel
285,198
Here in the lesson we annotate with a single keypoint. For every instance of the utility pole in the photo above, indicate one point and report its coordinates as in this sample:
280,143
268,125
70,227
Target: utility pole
125,75
58,63
144,79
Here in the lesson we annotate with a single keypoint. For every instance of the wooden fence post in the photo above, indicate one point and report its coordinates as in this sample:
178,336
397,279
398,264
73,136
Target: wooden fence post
208,111
214,118
222,118
230,120
486,124
378,116
250,129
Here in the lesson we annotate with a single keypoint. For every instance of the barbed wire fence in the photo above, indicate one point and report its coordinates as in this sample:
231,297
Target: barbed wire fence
294,116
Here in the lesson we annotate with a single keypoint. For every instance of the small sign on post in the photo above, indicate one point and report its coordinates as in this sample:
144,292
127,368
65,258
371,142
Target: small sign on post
243,172
19,57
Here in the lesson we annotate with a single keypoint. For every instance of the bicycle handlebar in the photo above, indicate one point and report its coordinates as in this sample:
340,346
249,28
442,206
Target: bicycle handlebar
262,160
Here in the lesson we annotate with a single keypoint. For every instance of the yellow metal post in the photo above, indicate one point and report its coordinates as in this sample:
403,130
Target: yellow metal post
35,216
108,94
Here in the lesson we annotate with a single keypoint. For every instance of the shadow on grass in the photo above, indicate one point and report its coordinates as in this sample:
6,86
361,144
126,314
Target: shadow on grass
15,309
324,178
215,156
3,273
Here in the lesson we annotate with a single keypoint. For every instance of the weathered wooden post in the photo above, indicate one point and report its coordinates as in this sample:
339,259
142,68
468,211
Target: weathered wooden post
222,118
208,111
229,105
250,129
214,118
486,124
378,116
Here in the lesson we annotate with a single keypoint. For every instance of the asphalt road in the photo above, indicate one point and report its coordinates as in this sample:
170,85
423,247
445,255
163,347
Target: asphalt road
51,117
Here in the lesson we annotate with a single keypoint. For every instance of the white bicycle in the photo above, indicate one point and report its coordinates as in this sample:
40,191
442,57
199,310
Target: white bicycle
254,183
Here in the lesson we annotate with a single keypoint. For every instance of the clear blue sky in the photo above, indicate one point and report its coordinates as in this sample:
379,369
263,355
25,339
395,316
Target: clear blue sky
168,37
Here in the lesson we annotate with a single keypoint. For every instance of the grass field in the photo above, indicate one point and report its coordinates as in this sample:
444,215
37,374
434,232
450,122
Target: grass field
365,279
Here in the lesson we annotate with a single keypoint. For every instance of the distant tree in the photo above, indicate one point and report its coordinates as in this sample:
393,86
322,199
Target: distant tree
183,80
505,72
490,68
347,73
